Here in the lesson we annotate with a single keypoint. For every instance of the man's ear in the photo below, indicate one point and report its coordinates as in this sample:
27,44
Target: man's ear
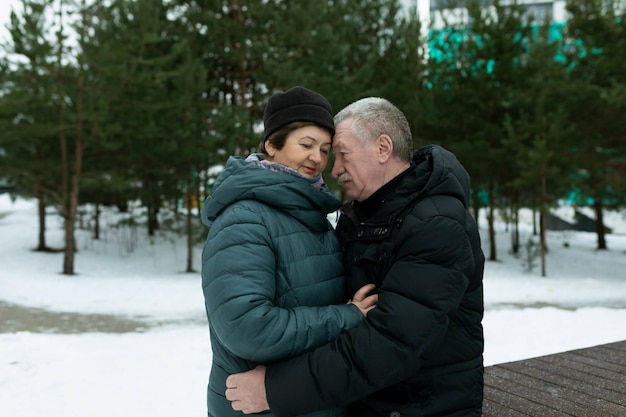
384,148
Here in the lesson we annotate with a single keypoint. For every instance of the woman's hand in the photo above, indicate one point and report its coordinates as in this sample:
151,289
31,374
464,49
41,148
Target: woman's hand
363,301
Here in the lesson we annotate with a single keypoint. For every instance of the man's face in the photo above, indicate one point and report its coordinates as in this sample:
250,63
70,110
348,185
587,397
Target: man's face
356,166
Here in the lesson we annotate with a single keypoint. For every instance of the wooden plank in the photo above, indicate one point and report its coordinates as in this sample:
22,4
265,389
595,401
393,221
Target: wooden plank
566,362
575,384
618,387
609,354
597,363
588,382
493,409
621,346
594,406
519,404
556,404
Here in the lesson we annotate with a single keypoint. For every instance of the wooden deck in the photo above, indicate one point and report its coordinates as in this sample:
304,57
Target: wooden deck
586,382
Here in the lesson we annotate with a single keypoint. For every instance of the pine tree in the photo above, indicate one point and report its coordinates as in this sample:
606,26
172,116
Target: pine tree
597,30
30,152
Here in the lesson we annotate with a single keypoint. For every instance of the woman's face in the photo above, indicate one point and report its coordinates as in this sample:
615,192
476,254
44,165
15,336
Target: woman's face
306,150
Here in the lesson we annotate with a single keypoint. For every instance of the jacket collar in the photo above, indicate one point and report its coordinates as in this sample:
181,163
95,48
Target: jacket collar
369,206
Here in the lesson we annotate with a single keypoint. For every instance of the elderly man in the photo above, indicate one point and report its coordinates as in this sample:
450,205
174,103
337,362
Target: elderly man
408,231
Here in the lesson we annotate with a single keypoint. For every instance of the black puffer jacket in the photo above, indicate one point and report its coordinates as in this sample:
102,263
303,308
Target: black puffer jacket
419,352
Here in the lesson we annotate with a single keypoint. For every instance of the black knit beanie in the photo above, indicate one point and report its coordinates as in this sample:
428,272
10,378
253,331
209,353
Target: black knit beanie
298,104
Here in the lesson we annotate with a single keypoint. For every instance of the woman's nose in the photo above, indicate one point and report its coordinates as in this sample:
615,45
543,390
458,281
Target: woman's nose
316,156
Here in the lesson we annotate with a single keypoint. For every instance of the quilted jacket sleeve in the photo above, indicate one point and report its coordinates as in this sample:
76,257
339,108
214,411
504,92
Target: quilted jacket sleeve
239,289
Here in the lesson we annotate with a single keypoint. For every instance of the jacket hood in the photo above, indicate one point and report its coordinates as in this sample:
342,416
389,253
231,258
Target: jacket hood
242,180
440,173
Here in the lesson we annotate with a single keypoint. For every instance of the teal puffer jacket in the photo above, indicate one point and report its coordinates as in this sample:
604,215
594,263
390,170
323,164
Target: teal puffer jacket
272,273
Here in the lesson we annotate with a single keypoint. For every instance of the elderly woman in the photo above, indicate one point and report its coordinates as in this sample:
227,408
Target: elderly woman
272,270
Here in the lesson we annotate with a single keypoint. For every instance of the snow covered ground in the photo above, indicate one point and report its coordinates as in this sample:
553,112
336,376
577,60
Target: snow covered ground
127,336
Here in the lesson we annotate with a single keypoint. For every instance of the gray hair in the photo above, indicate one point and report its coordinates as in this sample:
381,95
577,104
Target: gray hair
375,116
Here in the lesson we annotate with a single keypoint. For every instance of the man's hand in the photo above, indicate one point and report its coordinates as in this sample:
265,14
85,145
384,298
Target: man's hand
246,391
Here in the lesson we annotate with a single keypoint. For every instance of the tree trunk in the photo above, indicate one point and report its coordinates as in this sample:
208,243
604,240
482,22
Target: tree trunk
190,200
151,202
77,165
534,218
542,242
199,197
96,222
597,206
68,259
41,209
542,218
153,223
70,219
515,245
490,219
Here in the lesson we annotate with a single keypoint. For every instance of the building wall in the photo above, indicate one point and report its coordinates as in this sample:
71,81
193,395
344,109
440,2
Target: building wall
540,9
